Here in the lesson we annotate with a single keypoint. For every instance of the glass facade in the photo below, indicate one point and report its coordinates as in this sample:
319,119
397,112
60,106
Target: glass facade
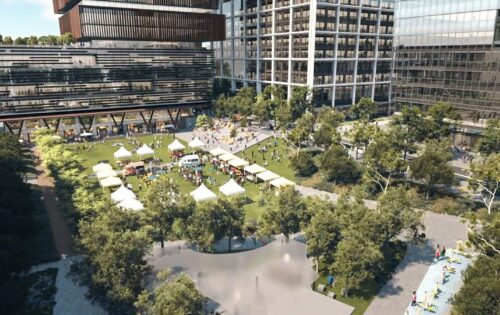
448,51
322,44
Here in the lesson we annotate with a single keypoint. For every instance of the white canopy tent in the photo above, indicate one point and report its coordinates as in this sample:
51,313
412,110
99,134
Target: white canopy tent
176,146
238,162
121,194
254,169
218,151
110,182
131,204
228,157
231,188
281,182
104,174
101,167
267,176
196,144
123,154
145,151
86,134
202,193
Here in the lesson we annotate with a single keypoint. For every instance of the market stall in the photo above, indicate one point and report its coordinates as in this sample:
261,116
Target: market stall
252,171
109,182
281,182
121,194
231,188
101,167
122,156
145,152
202,193
104,174
267,176
196,144
218,151
131,204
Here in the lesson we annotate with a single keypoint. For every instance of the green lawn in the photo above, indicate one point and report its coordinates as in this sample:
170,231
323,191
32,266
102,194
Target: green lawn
101,152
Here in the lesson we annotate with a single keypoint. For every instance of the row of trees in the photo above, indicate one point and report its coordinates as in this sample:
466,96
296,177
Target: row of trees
115,242
270,104
352,240
51,40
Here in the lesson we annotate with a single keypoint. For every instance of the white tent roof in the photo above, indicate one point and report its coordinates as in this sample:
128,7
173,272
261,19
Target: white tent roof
254,169
228,157
202,193
267,176
238,162
218,151
86,134
103,174
231,188
196,143
101,167
145,151
281,182
123,154
110,182
176,146
131,204
121,194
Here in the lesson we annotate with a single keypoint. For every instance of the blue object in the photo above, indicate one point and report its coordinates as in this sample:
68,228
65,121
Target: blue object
329,280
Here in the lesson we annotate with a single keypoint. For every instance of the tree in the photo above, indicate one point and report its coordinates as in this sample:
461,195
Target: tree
300,101
1,39
204,121
32,40
383,161
283,215
490,140
356,261
486,179
479,293
300,134
245,99
65,39
283,114
268,101
408,129
162,208
362,134
214,220
432,166
323,235
485,234
337,166
20,41
8,40
177,296
364,110
441,117
11,155
303,164
116,248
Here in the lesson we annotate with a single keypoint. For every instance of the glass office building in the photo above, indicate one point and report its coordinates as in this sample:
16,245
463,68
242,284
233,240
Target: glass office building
340,48
448,51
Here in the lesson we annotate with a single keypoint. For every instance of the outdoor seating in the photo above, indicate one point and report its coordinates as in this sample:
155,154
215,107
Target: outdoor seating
331,295
321,288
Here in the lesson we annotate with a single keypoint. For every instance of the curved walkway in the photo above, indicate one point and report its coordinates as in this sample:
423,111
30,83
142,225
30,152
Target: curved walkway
274,279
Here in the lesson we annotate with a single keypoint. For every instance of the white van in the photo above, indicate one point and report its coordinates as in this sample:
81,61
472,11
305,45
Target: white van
190,161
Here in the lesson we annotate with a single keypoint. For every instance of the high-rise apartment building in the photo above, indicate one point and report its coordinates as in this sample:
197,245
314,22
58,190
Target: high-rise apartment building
339,48
449,51
136,64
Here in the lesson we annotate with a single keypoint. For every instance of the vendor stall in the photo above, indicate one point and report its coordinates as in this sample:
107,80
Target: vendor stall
218,151
101,167
123,155
202,193
238,163
227,157
121,194
104,174
145,152
281,182
196,144
267,176
110,182
252,171
176,146
231,188
131,204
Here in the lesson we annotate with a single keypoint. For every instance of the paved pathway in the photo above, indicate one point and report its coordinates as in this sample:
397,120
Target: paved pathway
60,230
274,279
70,296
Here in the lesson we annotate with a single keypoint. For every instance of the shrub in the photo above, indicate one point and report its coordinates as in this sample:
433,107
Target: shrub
447,205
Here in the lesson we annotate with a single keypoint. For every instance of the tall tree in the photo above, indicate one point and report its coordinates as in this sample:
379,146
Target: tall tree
484,234
441,118
432,166
8,40
408,129
383,161
490,140
162,204
486,179
362,134
300,101
337,166
302,131
177,296
364,109
323,235
284,215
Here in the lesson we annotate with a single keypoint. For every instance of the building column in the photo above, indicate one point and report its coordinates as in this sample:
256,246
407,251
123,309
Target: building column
311,49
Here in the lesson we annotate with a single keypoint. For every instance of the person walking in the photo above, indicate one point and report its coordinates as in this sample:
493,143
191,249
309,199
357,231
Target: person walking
414,298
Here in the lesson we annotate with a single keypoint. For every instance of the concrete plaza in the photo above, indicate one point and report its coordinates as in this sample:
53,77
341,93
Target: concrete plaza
274,279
